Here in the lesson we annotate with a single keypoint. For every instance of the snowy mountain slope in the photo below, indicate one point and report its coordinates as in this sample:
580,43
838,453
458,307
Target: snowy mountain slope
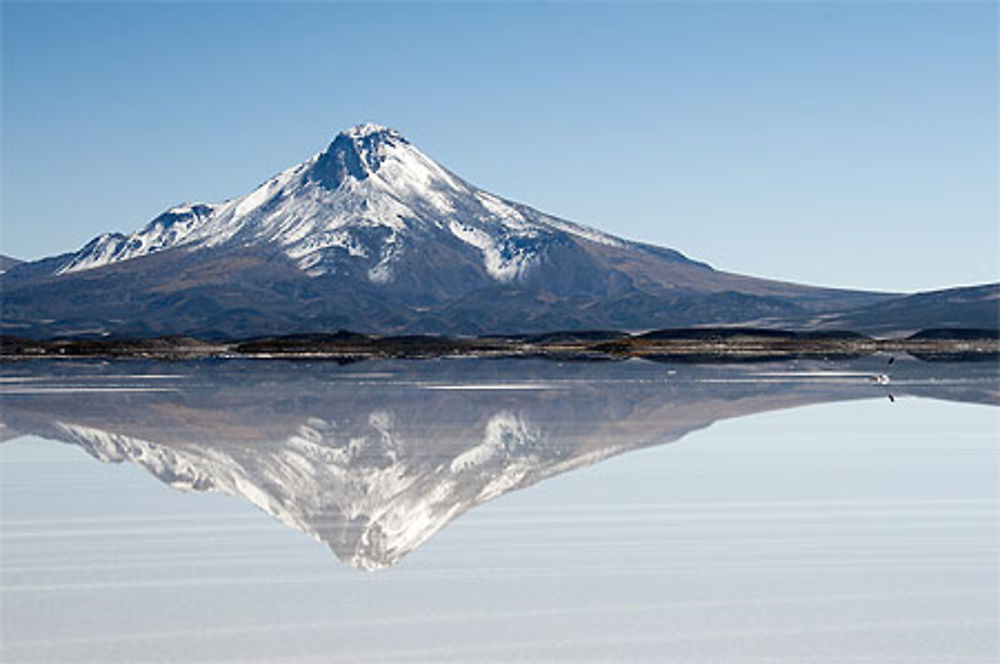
373,235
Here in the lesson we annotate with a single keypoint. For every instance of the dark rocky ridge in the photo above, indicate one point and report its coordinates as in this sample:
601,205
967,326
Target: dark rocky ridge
691,345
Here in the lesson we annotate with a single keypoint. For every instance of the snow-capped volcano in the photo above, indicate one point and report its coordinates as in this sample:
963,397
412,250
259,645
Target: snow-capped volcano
370,197
373,235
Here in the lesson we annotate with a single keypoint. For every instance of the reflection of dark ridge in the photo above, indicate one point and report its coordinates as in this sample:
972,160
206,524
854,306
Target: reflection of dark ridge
373,459
690,345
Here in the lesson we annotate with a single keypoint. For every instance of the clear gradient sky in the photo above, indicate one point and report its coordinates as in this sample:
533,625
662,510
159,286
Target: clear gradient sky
837,144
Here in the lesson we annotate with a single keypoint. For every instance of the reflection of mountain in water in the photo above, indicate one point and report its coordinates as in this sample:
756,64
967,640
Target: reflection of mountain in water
373,459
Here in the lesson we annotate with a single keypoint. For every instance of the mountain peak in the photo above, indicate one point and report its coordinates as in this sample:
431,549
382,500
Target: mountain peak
366,130
356,152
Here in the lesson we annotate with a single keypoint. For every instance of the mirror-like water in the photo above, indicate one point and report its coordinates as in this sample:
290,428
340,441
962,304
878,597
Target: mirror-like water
499,510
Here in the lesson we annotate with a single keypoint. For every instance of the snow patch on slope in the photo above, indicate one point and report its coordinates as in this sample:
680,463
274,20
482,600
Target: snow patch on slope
503,260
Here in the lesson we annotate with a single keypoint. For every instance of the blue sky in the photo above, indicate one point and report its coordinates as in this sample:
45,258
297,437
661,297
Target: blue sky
838,144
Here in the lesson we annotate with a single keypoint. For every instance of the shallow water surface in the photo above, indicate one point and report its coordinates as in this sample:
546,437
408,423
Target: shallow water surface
499,511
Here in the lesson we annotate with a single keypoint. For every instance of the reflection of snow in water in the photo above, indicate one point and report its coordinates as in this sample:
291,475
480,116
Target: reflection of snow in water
850,532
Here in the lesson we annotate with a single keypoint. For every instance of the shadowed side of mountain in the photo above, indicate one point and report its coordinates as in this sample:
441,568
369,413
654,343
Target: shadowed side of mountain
246,293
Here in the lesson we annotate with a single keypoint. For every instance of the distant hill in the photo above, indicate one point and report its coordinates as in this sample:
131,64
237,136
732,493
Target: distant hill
973,307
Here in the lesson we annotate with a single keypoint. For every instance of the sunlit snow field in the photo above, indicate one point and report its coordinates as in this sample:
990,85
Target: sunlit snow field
499,511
